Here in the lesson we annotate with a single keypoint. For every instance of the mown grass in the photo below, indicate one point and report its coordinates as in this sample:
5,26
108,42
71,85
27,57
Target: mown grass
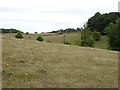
34,64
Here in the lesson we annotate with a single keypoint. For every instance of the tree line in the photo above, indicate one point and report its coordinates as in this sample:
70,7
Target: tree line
67,30
102,24
2,30
99,22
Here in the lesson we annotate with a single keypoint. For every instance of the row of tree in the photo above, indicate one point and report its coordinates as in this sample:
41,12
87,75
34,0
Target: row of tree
113,33
2,30
99,22
68,30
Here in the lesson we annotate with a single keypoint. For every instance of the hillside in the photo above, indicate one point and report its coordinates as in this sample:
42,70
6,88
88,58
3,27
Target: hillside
73,38
33,64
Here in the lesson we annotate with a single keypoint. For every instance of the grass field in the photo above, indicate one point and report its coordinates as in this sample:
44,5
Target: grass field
31,64
73,38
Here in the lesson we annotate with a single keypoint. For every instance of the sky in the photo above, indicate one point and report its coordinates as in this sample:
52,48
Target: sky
50,15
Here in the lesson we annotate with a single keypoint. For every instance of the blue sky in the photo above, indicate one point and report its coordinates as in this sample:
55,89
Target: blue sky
48,15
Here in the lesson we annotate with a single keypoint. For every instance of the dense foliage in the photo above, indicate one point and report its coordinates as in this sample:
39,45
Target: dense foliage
96,36
2,30
99,21
87,38
68,30
19,35
39,38
113,31
26,33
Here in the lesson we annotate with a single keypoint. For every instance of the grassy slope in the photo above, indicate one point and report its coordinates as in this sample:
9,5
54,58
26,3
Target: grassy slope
71,37
29,63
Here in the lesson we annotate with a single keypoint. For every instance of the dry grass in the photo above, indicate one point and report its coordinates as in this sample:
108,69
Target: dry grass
73,38
29,63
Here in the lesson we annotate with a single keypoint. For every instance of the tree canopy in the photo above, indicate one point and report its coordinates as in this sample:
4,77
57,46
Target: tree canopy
2,30
67,30
113,31
100,21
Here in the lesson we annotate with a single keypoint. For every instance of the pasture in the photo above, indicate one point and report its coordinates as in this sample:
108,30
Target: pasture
28,63
73,38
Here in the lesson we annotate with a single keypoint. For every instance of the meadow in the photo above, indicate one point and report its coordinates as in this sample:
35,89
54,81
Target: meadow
73,38
28,63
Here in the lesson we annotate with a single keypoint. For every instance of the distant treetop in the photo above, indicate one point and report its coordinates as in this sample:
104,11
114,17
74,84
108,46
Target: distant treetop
99,22
2,30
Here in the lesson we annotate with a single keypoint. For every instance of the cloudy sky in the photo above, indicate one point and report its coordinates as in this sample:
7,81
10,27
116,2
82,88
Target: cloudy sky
48,15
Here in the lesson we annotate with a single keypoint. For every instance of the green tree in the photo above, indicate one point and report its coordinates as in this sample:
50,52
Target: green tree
99,21
26,33
39,38
19,35
113,31
2,30
35,32
87,38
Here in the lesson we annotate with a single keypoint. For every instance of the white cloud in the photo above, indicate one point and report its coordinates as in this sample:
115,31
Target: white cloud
48,15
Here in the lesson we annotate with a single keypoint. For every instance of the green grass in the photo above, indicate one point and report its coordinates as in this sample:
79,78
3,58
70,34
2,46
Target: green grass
103,43
32,64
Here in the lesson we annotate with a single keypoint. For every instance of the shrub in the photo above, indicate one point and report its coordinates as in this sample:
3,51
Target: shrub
19,35
67,43
26,33
35,32
96,36
113,31
39,38
87,38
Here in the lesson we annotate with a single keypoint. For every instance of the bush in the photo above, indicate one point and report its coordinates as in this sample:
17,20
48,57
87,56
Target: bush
26,33
35,32
19,35
67,43
113,31
87,38
87,43
39,38
96,36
